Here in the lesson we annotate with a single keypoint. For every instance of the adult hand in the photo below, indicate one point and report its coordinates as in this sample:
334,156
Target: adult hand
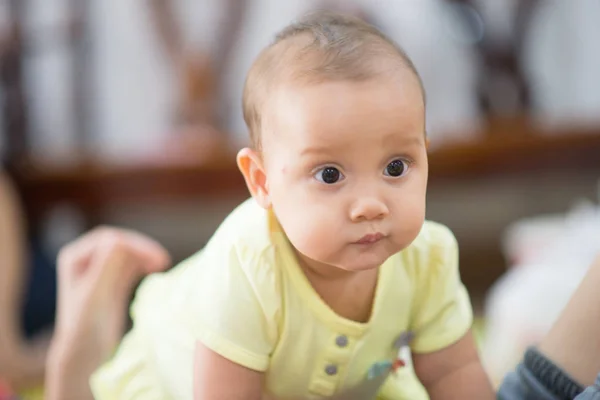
96,274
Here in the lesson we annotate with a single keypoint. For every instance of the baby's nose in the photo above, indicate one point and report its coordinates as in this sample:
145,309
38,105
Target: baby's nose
369,208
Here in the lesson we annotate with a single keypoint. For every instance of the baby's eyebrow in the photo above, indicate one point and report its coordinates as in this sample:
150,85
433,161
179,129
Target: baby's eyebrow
408,141
315,150
415,140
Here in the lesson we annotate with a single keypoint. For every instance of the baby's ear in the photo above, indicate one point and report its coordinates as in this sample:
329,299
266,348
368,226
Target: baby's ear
250,164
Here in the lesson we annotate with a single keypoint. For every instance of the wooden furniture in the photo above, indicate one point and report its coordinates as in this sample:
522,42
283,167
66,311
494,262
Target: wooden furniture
502,60
92,185
11,78
507,147
14,49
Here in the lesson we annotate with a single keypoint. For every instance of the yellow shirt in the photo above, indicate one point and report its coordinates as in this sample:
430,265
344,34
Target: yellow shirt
245,297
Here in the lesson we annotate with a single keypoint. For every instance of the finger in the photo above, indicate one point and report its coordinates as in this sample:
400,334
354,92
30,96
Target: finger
130,275
122,258
146,252
113,272
105,266
151,255
96,289
80,250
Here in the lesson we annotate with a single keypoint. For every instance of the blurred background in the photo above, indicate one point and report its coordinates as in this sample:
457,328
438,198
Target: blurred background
129,113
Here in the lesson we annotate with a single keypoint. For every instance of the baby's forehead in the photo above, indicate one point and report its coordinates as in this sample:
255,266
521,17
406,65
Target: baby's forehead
399,83
301,113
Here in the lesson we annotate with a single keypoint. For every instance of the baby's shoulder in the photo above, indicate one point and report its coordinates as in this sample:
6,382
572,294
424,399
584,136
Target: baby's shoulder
240,254
242,244
245,233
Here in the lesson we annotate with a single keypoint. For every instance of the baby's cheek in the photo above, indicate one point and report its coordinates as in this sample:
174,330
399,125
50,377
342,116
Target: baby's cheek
312,232
409,217
311,235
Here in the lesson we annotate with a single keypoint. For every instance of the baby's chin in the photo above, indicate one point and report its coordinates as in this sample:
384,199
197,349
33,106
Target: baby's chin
360,262
364,264
355,257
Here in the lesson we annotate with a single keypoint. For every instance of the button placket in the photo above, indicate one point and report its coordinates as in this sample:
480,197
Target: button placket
336,355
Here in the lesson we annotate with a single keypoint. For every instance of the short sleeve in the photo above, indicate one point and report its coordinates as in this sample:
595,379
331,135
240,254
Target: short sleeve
228,305
442,312
235,304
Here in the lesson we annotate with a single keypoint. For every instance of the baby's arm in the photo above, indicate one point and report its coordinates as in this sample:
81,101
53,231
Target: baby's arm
454,372
217,378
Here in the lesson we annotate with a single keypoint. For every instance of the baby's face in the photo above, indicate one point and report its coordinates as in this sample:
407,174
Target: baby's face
346,168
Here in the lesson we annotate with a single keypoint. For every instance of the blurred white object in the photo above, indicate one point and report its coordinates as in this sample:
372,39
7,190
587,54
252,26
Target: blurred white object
132,93
48,80
265,18
525,239
434,37
525,302
520,310
562,59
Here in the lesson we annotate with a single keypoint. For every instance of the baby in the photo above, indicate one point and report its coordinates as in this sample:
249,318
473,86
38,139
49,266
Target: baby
312,288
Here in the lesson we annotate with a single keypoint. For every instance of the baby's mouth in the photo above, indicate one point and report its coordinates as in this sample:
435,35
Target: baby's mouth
370,238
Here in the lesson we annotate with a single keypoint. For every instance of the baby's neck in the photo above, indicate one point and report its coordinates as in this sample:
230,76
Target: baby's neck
350,294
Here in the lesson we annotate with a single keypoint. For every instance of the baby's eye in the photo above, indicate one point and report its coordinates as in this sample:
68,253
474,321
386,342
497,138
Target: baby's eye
396,168
329,175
